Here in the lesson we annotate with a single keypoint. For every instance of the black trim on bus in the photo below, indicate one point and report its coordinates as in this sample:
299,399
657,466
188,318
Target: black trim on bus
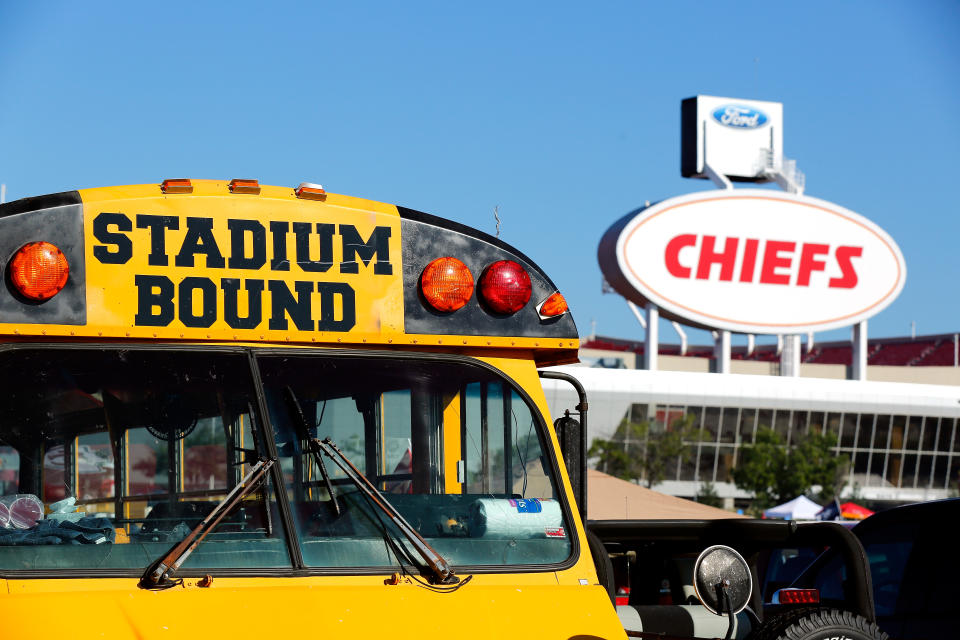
437,221
53,219
425,239
35,203
279,489
266,432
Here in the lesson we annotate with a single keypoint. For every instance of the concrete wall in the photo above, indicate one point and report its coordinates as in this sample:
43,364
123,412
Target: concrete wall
630,359
925,375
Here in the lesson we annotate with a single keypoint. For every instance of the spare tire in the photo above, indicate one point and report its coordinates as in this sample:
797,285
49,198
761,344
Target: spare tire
818,624
601,560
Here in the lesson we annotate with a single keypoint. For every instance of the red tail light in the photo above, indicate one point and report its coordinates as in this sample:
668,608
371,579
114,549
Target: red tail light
505,287
797,596
39,270
447,284
623,596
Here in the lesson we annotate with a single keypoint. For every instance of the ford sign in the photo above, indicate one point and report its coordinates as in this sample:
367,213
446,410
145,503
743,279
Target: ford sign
740,117
754,261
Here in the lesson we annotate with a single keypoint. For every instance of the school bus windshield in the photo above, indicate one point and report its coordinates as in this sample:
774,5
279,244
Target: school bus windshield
148,441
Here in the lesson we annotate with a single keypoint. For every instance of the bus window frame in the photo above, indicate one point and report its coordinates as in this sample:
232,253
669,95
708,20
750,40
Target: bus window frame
267,432
541,424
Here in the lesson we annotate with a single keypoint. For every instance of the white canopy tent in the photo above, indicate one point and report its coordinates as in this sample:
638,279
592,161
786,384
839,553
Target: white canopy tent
802,508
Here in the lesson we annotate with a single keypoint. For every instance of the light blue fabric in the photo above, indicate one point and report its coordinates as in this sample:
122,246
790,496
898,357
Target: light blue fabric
89,530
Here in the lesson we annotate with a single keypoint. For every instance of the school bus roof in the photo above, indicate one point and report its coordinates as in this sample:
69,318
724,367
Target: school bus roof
215,261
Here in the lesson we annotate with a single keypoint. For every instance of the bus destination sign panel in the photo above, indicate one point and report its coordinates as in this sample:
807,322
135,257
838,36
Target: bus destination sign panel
215,267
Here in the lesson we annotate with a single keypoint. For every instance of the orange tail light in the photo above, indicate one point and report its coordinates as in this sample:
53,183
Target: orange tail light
447,284
39,270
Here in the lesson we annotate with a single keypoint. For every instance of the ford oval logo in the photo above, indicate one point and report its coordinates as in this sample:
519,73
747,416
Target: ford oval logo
740,117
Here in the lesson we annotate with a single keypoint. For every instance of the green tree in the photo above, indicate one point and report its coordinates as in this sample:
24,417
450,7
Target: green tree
708,495
775,473
619,455
638,451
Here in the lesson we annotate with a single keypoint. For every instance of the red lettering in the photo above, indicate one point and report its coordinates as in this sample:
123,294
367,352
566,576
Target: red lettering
672,254
809,263
749,260
708,257
780,259
848,275
772,261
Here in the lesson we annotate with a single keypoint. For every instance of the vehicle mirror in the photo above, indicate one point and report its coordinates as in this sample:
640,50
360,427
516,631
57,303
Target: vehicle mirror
568,433
722,580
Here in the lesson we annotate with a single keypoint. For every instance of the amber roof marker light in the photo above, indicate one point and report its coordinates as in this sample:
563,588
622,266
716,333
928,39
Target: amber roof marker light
446,284
553,307
239,185
310,191
39,271
176,185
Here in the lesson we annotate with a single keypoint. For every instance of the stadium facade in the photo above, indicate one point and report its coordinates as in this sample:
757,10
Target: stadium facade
898,429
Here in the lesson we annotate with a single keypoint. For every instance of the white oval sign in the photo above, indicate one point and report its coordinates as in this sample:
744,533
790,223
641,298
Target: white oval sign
754,261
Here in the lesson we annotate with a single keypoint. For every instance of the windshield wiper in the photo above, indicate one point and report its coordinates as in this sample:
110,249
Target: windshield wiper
157,575
303,432
439,569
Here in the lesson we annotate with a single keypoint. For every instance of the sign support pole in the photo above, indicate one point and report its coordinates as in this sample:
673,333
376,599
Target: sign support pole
651,347
721,352
859,367
683,337
638,315
790,357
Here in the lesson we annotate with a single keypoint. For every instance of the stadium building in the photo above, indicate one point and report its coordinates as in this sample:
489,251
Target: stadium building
898,428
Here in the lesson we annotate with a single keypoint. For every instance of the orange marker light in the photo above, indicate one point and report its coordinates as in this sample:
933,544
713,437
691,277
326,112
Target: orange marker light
553,306
39,271
244,186
176,185
447,284
505,287
310,191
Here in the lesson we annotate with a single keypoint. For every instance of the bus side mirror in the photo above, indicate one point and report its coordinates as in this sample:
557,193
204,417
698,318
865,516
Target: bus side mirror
568,433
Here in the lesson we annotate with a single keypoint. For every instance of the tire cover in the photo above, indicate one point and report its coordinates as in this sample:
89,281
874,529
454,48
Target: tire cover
601,560
820,624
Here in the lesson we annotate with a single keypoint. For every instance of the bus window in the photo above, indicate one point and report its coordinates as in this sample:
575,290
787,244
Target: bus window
147,462
9,470
140,440
455,448
205,456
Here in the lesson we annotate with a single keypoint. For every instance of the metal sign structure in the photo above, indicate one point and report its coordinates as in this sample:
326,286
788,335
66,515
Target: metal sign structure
732,137
749,260
753,261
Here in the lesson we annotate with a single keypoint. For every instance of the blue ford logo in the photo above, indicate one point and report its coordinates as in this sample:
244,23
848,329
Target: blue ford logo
740,117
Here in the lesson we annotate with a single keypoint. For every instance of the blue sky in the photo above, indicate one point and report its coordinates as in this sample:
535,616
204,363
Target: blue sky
565,116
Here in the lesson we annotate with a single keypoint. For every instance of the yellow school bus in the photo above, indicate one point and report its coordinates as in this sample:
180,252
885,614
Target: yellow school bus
239,410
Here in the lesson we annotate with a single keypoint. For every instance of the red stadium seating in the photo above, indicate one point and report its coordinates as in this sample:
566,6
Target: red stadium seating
922,351
899,354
